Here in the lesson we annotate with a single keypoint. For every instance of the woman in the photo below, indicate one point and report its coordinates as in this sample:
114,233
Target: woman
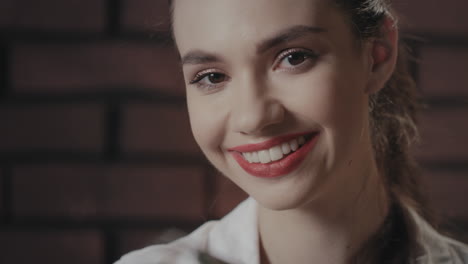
307,105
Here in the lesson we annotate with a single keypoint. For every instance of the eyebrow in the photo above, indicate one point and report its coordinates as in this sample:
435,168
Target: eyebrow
199,57
284,36
287,35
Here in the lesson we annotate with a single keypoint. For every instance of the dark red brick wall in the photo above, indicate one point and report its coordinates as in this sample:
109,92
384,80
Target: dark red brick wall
96,155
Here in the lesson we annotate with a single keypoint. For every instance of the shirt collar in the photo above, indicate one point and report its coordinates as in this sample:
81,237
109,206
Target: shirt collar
235,239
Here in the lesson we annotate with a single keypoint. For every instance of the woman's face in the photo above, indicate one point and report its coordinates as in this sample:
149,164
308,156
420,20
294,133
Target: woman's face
276,91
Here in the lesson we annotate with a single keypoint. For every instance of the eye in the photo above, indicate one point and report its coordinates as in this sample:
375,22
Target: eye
296,58
209,79
215,77
292,59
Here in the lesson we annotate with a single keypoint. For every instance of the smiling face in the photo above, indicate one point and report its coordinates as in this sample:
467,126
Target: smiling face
277,95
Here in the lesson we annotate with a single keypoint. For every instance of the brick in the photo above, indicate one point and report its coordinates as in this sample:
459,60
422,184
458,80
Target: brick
130,240
157,128
95,68
447,193
108,192
443,135
443,72
228,195
37,246
433,15
53,15
51,127
145,15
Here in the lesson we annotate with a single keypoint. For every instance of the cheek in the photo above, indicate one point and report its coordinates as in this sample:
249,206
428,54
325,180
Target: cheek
207,125
329,98
351,103
348,125
343,95
335,101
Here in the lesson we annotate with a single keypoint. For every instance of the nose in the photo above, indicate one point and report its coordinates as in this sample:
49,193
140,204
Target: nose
254,109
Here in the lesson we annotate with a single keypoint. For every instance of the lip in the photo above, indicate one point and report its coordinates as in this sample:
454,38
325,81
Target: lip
269,143
277,168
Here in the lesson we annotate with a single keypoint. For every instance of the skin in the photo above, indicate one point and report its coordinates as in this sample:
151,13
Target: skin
334,201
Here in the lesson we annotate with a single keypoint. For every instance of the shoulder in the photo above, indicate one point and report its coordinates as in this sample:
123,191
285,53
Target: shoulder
437,248
459,252
443,250
160,254
183,250
231,239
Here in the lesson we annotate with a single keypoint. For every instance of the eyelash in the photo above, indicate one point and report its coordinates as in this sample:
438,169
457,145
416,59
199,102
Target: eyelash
204,74
309,57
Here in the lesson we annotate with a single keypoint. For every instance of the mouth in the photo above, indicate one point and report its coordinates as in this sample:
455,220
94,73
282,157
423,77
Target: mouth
276,152
276,157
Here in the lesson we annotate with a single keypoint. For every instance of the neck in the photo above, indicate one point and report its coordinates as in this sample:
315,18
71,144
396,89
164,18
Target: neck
322,231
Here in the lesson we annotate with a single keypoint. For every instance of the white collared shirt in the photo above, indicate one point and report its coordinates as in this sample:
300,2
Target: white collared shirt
234,240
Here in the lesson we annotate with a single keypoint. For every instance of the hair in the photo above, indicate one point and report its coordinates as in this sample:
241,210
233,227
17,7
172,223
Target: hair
392,109
392,123
392,112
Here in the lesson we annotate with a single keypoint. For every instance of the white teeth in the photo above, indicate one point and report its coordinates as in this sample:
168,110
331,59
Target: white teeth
285,148
301,140
276,153
294,145
264,156
255,157
246,156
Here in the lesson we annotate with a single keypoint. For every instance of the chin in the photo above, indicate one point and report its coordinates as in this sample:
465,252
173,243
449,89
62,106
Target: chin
287,192
281,202
285,196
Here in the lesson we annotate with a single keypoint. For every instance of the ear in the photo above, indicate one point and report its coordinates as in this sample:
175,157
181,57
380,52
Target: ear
383,56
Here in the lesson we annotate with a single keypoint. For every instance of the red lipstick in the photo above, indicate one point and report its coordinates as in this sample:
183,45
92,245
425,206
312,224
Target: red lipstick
267,144
276,168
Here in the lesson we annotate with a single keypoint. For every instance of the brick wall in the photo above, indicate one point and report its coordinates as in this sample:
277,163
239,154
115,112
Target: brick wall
94,137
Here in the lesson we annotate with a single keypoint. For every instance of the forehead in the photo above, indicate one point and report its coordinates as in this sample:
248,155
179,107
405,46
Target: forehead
210,24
